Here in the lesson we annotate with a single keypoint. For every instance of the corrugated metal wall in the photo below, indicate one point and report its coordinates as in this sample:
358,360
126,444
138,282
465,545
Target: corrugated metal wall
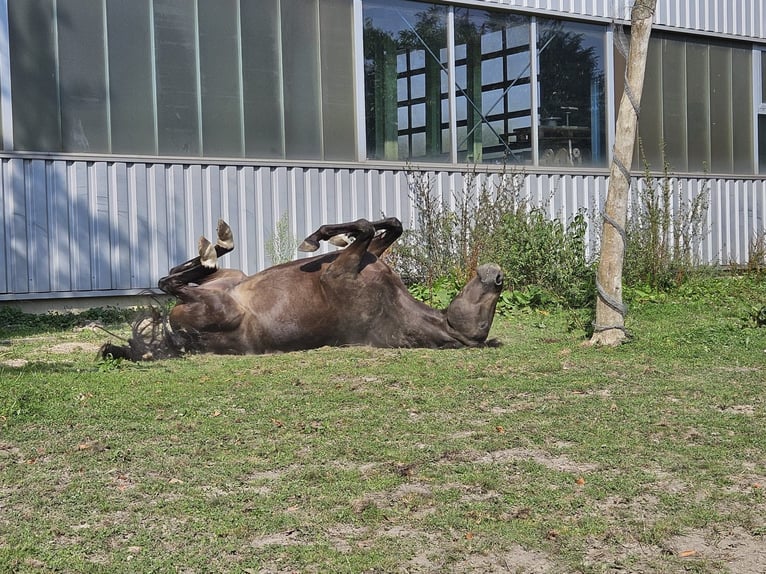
108,228
744,18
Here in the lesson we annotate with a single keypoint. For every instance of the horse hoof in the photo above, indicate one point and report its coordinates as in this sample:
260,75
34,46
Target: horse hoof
225,235
341,240
309,245
207,255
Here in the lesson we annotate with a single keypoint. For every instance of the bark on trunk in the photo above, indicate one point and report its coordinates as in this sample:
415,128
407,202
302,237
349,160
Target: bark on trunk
609,328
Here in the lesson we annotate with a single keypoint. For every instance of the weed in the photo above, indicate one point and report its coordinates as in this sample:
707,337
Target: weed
282,244
664,229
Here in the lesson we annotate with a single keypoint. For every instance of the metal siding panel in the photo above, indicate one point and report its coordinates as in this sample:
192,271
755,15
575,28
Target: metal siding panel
4,227
260,178
390,202
264,210
175,210
345,198
198,220
119,216
230,210
79,224
294,190
160,249
16,233
211,192
247,240
38,259
139,233
101,247
58,209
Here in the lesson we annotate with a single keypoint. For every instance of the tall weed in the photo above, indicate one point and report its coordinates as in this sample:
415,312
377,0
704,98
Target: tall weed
664,230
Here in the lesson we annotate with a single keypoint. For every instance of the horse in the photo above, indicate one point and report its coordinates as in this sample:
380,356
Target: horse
347,297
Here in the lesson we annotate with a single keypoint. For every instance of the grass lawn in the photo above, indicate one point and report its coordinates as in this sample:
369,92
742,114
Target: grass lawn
542,455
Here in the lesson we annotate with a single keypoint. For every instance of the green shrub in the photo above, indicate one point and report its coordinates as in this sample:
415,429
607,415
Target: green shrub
544,260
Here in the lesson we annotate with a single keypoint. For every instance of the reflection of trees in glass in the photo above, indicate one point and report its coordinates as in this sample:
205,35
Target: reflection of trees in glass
571,94
407,31
490,41
568,71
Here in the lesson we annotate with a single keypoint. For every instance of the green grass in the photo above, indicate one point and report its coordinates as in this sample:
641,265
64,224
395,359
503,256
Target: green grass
540,456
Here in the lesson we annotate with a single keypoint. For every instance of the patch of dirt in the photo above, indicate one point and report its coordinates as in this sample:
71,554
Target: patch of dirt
74,347
286,538
412,495
560,463
519,560
738,549
15,363
746,410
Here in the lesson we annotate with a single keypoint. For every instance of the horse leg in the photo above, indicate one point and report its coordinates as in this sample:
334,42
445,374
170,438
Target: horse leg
223,245
193,271
348,261
386,231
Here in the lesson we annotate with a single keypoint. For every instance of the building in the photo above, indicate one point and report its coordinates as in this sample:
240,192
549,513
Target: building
130,126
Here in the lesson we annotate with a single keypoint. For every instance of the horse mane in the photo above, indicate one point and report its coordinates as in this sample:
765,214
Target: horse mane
152,338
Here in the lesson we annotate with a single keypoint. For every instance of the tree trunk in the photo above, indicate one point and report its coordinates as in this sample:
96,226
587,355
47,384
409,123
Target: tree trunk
609,328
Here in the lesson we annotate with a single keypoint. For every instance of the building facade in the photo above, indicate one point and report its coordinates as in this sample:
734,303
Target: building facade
128,127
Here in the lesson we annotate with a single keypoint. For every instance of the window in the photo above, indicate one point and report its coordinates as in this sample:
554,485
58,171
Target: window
572,95
696,112
223,78
494,100
407,87
405,72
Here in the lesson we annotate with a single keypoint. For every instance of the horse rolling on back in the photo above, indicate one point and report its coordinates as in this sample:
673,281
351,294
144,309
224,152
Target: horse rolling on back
347,297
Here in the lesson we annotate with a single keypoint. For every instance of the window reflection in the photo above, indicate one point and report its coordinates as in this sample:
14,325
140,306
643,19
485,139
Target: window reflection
406,80
492,86
407,88
572,128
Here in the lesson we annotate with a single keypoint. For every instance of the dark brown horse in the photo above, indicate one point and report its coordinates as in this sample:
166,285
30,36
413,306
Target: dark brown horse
348,297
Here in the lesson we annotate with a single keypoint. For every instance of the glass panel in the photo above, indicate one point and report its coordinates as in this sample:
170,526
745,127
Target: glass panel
572,93
82,76
131,97
495,110
721,129
405,40
698,106
177,98
219,78
742,120
33,75
262,83
762,143
300,73
338,109
763,77
674,104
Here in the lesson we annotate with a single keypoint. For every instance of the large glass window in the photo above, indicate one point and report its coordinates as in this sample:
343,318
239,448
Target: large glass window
231,78
696,110
493,90
406,86
572,98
